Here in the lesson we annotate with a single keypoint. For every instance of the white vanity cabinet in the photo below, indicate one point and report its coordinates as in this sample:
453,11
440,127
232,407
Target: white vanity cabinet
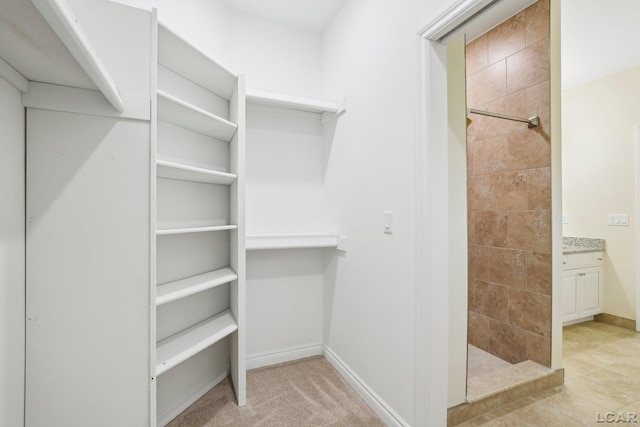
582,285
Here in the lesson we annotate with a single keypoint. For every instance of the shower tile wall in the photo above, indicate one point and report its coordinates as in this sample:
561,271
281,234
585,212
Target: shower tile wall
509,190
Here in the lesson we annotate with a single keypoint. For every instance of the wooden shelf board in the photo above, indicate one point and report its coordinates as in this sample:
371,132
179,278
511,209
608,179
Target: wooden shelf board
176,349
293,102
180,56
182,172
291,241
166,231
178,112
192,285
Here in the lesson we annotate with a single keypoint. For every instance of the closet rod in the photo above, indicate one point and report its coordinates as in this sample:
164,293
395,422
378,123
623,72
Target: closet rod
533,122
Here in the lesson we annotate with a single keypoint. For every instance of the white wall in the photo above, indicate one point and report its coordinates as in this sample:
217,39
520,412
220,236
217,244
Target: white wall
284,305
599,122
204,23
370,53
275,56
12,260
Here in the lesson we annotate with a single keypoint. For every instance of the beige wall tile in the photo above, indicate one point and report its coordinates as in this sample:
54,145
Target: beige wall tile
528,67
507,267
483,127
539,272
529,230
478,263
539,188
507,342
507,38
478,331
491,300
537,22
537,101
491,228
488,85
530,311
476,55
528,149
491,155
538,349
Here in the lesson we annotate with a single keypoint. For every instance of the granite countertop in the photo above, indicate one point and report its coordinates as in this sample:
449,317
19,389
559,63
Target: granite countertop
578,245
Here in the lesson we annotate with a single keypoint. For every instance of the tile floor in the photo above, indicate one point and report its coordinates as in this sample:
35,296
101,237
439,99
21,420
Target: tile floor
602,383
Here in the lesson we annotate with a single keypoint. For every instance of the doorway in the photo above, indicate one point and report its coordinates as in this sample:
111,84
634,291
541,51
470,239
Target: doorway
440,300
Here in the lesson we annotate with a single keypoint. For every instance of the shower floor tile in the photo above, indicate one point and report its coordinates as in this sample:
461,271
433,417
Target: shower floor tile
480,362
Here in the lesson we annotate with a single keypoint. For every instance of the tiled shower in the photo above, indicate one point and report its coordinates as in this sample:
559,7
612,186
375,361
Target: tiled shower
509,190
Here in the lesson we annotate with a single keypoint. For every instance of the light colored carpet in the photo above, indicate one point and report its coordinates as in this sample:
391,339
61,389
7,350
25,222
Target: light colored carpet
307,392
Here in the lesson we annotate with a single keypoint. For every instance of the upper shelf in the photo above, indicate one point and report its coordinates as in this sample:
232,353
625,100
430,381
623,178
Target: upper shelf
187,230
291,241
183,114
58,40
328,109
180,56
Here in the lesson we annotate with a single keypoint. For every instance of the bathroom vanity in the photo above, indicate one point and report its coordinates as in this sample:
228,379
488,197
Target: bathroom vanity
582,278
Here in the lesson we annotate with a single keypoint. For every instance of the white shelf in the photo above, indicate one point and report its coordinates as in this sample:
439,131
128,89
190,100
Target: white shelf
182,172
180,56
192,285
291,241
166,231
294,102
181,346
183,114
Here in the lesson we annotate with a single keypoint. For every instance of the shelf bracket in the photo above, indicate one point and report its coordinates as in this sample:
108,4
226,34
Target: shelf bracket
329,117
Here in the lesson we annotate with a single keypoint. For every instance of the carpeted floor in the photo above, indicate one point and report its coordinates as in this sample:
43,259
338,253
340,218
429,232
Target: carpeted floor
307,392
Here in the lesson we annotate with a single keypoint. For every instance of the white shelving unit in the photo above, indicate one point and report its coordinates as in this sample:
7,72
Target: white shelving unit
200,121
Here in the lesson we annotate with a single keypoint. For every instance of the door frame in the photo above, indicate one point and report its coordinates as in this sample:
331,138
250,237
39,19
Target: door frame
435,307
637,207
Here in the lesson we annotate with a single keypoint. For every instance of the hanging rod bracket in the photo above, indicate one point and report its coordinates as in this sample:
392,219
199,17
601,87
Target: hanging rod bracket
533,122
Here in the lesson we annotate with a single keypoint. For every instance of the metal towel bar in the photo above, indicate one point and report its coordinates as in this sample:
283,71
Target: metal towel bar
533,122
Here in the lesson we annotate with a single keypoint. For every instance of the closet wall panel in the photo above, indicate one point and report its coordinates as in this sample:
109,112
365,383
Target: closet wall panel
88,270
12,261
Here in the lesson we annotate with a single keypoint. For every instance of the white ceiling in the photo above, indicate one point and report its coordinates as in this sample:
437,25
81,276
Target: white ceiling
309,14
599,38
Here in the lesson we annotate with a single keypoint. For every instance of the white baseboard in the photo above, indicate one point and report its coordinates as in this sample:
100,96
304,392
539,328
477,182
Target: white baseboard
188,398
280,356
573,322
375,402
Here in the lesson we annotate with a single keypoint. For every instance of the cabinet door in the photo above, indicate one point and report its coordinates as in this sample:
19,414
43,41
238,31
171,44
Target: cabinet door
569,296
590,291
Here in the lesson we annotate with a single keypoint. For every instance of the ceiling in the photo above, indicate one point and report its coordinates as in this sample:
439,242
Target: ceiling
598,39
309,14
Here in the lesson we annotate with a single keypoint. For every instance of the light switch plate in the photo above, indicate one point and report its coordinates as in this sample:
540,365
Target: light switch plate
387,222
618,220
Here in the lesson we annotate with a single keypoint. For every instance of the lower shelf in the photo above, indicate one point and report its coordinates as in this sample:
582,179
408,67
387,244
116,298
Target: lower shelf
291,241
177,348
